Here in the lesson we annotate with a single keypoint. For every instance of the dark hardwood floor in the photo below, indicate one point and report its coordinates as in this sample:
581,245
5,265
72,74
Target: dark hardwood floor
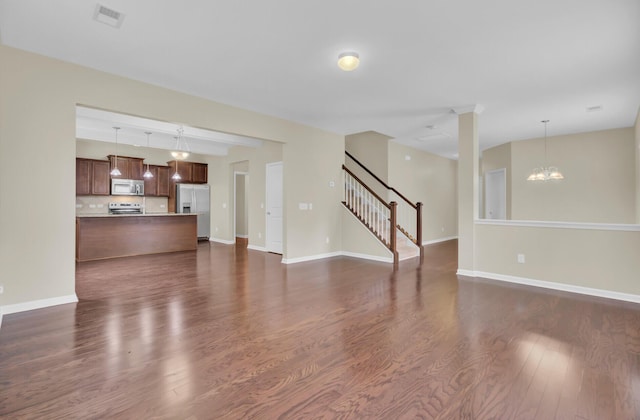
226,332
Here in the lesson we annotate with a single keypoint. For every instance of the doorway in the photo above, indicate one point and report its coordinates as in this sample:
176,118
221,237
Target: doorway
274,199
495,190
241,214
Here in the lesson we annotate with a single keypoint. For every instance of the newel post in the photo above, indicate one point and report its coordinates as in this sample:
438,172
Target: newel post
419,229
392,230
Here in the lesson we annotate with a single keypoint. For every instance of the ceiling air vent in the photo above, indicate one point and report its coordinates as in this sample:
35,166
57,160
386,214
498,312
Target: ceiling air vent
108,16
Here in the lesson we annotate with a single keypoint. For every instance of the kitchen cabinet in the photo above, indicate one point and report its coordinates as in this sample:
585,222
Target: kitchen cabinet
190,172
158,186
199,173
92,177
130,167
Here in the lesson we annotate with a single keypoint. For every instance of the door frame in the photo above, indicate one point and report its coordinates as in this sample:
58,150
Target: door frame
487,175
266,216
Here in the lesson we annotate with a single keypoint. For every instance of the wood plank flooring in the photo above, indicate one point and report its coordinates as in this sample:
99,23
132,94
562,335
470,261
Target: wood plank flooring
226,332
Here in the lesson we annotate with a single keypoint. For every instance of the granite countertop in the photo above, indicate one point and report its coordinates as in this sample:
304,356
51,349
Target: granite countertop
135,215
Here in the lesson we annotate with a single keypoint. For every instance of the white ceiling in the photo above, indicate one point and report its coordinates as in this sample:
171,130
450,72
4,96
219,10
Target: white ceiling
525,61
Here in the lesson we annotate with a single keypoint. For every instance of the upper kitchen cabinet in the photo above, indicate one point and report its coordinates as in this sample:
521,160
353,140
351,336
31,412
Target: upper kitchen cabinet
158,186
190,172
199,172
130,167
92,177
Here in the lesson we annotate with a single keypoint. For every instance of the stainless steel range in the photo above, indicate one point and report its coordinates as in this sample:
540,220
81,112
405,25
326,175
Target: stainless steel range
125,208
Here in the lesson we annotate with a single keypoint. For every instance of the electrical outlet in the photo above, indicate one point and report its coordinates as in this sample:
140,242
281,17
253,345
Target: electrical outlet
1,289
521,258
442,229
259,235
310,206
327,239
216,228
224,205
162,206
332,184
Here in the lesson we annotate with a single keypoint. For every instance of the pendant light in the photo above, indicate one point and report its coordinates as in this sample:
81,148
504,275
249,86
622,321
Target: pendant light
147,174
181,151
115,171
176,176
545,173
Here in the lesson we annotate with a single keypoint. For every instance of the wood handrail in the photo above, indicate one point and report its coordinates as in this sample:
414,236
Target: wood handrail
366,187
379,180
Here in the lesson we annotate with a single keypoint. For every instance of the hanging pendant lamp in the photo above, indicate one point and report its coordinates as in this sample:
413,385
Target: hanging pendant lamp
147,174
181,151
115,171
545,173
176,176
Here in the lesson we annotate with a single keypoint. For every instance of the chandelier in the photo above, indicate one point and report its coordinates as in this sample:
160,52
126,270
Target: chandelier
181,151
545,173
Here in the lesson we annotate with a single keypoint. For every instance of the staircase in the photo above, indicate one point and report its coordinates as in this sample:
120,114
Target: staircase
397,224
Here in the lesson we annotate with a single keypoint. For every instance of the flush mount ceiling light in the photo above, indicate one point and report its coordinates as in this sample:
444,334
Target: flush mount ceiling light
348,61
545,173
181,151
115,171
147,173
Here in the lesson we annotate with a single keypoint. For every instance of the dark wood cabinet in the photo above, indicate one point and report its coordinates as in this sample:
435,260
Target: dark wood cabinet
164,176
158,186
199,173
92,177
129,167
190,172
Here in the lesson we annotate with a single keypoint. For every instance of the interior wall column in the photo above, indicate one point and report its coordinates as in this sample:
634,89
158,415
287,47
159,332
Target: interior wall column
468,164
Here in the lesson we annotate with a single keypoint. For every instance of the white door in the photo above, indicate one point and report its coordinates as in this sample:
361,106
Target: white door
274,208
495,190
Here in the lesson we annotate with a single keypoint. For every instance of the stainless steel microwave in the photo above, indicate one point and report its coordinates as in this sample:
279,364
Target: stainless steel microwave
127,187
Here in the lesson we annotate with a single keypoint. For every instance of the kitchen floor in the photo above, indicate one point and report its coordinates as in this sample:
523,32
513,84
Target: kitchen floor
226,332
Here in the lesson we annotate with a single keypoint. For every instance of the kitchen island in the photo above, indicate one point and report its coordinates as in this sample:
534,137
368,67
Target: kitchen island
102,236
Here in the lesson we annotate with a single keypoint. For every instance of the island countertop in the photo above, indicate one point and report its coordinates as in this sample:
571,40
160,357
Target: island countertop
133,215
104,236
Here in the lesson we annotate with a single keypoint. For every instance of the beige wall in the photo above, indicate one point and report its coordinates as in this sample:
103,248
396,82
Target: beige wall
599,171
357,239
605,260
497,158
637,147
429,179
37,132
221,170
370,148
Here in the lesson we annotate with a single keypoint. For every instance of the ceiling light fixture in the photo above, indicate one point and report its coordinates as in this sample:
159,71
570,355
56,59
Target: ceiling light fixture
176,176
115,171
348,61
147,173
181,151
545,173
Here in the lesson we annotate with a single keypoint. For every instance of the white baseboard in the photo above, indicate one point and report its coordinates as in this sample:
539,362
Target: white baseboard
242,236
468,273
310,258
222,241
257,248
435,241
367,257
37,304
627,297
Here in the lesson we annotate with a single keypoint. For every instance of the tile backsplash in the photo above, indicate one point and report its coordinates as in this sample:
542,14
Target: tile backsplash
99,204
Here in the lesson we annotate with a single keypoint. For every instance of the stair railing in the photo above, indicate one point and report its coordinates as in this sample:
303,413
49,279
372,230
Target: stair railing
409,215
374,212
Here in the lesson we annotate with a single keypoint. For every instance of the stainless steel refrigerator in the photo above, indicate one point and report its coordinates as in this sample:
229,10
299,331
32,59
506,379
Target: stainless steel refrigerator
194,198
